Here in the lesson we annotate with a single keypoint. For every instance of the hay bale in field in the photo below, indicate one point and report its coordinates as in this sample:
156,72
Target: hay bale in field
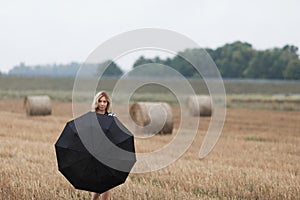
37,105
152,117
204,107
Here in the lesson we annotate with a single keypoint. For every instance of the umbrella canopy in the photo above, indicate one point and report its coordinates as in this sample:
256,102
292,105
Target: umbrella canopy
95,152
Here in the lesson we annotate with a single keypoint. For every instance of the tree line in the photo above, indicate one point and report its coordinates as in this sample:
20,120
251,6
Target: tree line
234,60
68,70
238,60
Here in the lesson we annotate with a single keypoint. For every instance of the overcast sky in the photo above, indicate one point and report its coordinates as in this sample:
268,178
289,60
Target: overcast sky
62,31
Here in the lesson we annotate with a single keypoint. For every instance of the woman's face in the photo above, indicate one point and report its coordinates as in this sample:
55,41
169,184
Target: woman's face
102,105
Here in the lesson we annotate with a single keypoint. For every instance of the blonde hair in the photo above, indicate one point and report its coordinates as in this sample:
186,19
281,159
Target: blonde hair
98,96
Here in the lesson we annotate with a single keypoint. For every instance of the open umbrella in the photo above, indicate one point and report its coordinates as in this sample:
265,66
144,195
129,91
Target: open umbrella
95,152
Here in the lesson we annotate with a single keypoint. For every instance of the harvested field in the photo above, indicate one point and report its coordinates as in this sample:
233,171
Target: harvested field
256,157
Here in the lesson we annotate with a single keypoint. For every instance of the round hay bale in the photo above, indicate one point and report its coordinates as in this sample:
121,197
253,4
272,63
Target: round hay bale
37,105
204,107
152,117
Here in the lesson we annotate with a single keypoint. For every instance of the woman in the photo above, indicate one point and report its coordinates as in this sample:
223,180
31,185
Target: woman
101,105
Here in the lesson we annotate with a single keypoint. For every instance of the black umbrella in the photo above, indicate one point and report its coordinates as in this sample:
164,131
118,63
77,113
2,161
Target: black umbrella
95,152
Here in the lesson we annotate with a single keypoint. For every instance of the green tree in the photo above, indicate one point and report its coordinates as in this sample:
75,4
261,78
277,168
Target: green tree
188,61
271,63
112,69
292,70
233,59
142,60
255,68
